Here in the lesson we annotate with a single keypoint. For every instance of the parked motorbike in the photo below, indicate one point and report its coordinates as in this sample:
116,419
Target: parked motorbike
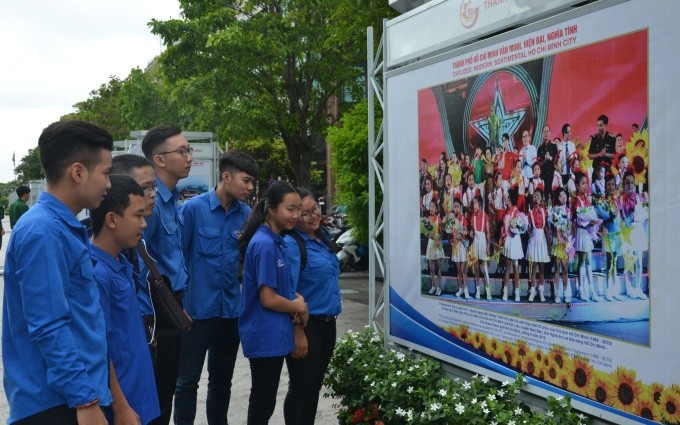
352,255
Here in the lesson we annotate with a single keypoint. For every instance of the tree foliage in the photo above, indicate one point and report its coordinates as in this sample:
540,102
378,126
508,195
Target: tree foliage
349,162
29,167
268,68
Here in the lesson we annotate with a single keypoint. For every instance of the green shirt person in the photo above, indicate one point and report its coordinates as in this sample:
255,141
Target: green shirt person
19,207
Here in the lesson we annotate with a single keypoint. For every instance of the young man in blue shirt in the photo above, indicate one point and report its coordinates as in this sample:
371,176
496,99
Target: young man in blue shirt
54,349
170,153
117,224
141,170
210,234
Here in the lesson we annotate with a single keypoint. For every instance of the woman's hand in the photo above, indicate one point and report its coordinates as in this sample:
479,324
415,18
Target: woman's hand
301,345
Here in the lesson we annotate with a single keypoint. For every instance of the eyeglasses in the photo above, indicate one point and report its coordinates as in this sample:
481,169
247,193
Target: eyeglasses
307,215
182,151
150,188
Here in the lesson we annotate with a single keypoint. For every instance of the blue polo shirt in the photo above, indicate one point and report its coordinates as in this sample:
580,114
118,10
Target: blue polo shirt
163,237
264,332
53,330
125,333
210,244
318,281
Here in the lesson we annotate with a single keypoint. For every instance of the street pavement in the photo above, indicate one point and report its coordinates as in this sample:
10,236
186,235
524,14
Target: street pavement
354,287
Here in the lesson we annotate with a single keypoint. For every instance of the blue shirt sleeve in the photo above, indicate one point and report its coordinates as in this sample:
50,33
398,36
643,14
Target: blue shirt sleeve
186,211
293,258
43,287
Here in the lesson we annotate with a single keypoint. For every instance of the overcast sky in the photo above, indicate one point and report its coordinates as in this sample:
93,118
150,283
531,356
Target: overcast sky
55,52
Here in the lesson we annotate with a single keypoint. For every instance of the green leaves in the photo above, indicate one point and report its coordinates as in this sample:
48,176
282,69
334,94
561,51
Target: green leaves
377,384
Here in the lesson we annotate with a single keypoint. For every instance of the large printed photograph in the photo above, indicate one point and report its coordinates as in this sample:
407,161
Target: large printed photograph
534,182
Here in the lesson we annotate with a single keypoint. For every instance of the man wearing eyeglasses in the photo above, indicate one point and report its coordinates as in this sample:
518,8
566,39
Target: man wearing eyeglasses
170,153
211,228
141,170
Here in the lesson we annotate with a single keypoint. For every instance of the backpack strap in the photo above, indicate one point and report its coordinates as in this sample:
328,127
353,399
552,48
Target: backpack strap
302,246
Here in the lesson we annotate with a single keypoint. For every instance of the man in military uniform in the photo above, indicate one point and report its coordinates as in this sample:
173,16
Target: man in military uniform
602,143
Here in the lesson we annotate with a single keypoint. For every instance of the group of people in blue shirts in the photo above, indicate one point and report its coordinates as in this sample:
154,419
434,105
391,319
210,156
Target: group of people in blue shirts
79,338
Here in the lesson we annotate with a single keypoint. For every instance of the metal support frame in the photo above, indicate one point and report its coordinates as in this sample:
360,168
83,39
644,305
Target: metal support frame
375,78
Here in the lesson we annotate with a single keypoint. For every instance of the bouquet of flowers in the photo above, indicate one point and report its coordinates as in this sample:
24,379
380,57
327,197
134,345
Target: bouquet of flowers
606,208
426,226
519,224
586,217
450,223
559,218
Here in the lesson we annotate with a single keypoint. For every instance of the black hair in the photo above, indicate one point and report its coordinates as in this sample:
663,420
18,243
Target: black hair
619,135
564,128
236,162
513,194
23,190
156,137
271,199
556,195
506,136
321,233
304,192
64,143
126,163
608,177
479,200
626,174
604,119
117,199
578,176
539,190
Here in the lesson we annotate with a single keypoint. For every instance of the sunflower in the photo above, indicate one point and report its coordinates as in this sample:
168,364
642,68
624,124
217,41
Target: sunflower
646,407
563,381
582,376
551,371
670,406
531,365
637,151
627,389
479,341
453,331
493,348
655,390
540,355
519,363
558,355
465,334
601,390
508,353
541,372
582,149
522,348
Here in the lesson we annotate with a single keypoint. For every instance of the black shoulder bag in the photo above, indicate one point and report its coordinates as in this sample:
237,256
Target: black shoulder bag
169,316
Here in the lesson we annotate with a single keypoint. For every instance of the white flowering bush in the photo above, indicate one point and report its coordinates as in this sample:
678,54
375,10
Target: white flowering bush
378,386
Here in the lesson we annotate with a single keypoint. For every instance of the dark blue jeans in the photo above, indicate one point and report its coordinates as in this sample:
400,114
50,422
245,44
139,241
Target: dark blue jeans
219,338
306,374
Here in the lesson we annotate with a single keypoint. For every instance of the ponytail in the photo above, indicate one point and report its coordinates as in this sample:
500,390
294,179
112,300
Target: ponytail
256,218
274,196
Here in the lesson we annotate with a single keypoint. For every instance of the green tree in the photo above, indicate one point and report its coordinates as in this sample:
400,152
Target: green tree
349,163
5,190
29,167
269,154
146,100
268,68
103,108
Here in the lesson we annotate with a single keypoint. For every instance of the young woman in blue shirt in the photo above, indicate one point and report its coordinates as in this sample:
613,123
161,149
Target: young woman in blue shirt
316,279
269,304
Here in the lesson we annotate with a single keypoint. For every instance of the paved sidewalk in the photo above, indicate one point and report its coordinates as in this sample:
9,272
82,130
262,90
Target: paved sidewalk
354,316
